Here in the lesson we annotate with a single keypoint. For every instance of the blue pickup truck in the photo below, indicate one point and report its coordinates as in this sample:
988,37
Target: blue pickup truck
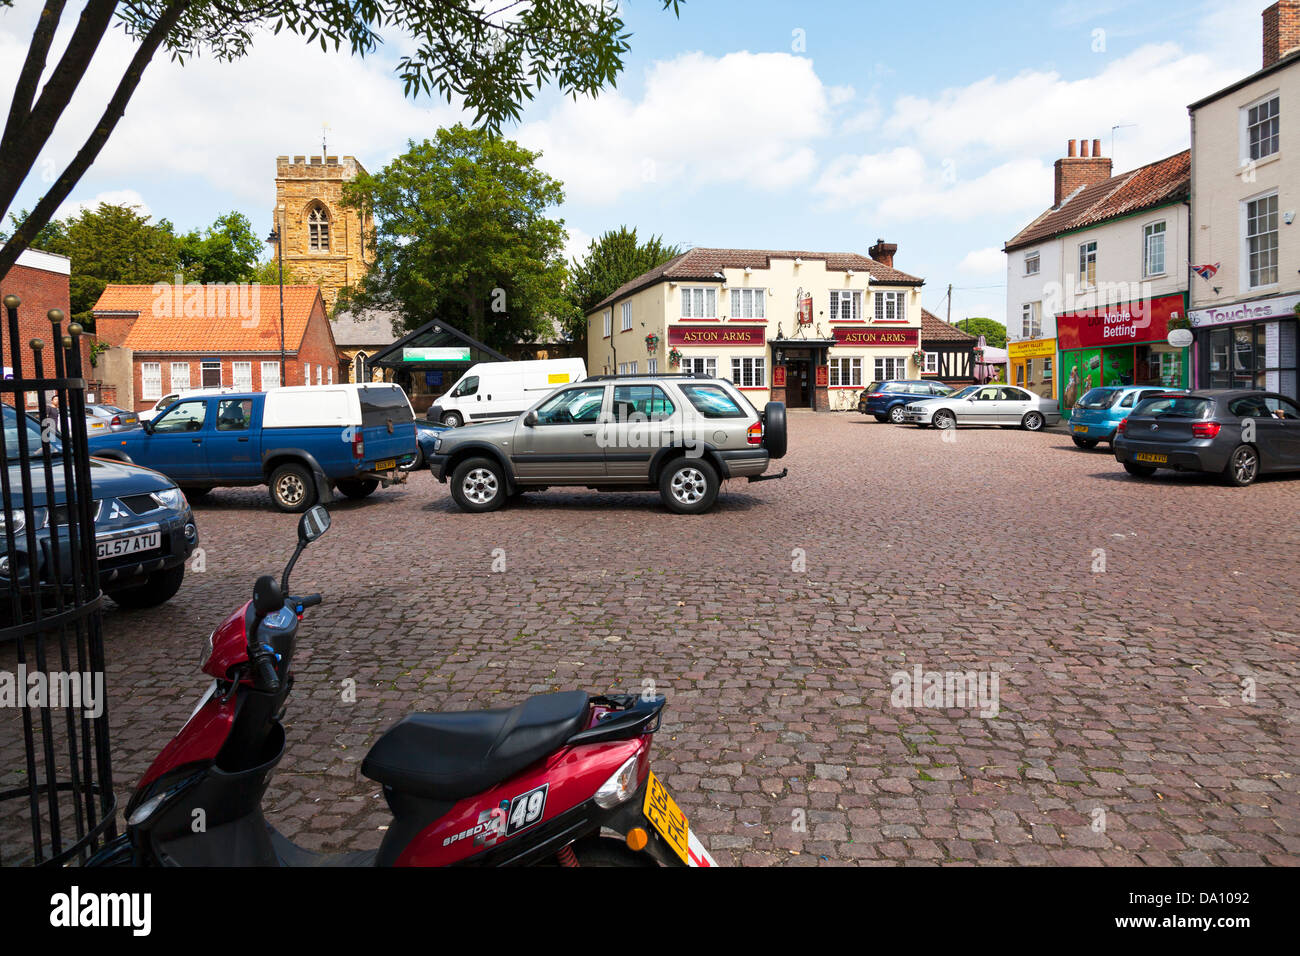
302,442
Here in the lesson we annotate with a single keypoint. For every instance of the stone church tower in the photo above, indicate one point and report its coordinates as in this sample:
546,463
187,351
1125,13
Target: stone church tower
324,242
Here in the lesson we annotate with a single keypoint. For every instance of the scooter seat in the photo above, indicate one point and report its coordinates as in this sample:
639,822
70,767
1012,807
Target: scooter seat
456,754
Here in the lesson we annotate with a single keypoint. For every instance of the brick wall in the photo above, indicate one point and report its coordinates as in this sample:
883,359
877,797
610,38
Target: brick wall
40,290
1281,30
1079,168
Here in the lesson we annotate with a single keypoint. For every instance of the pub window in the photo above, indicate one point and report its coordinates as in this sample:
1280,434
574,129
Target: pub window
700,365
609,318
749,303
846,372
891,307
888,369
626,317
318,229
846,305
699,303
749,372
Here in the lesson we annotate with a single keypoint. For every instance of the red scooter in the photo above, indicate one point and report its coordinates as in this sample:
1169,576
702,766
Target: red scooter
559,779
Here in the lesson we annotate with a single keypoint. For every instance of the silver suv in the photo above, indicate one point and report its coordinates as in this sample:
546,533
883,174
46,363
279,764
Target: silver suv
680,434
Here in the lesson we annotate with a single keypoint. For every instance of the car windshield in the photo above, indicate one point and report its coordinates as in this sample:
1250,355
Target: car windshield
1175,406
33,429
1099,398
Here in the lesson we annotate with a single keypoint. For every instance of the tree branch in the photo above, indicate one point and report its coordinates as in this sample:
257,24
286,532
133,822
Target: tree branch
113,112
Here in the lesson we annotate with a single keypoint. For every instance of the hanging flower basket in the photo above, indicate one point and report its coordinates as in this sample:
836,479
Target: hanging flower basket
918,357
651,342
674,357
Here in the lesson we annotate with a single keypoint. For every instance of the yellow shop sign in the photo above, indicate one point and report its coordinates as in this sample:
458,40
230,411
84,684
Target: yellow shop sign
1031,349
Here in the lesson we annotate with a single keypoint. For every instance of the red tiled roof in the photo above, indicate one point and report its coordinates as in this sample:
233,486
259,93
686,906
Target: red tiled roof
1153,185
221,319
935,329
703,263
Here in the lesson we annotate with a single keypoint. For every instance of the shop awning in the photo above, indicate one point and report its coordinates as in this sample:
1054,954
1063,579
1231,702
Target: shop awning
434,343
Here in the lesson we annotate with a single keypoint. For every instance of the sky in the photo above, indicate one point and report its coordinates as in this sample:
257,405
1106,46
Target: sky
819,126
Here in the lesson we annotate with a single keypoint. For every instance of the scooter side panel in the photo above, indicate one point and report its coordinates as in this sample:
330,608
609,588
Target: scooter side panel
513,809
199,740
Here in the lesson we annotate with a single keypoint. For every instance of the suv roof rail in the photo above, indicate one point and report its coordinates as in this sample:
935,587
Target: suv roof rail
606,378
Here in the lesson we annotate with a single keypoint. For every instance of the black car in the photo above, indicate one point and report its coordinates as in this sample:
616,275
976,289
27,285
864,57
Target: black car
1237,433
144,530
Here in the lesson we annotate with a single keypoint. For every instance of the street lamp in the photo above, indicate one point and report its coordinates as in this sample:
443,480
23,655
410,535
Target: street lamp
274,237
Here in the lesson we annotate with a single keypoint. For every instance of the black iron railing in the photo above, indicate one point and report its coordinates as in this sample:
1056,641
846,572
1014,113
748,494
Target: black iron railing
56,788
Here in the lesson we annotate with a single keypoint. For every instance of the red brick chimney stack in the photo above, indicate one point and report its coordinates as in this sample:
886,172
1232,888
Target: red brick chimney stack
1084,167
1281,30
883,252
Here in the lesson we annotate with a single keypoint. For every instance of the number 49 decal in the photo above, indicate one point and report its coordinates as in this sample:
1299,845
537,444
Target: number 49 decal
526,809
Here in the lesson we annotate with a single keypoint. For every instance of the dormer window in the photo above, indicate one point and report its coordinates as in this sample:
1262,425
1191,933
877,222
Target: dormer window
318,229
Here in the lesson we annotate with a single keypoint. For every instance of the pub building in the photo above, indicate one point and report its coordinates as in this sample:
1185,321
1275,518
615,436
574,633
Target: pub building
1121,344
810,329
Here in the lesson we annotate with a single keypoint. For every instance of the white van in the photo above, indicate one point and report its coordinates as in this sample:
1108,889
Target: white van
492,391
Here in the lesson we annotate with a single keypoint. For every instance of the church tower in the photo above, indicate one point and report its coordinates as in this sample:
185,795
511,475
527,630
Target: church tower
324,242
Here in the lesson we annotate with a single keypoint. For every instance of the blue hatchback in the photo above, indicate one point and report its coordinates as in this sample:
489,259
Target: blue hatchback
1095,417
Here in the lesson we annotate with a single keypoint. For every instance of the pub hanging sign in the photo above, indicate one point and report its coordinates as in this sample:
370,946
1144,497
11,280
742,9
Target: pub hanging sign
803,307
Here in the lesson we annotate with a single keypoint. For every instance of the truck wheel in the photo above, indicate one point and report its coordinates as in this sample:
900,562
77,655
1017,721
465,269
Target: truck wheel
292,488
453,420
415,463
688,486
358,487
159,587
775,438
478,485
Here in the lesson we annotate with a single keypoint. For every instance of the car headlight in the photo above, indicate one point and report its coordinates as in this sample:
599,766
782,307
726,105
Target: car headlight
437,442
620,787
172,498
12,519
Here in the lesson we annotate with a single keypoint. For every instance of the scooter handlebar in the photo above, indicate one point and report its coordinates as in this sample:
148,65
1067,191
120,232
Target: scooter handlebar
311,600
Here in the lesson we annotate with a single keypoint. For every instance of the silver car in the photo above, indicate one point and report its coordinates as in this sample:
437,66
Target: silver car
985,405
682,435
112,418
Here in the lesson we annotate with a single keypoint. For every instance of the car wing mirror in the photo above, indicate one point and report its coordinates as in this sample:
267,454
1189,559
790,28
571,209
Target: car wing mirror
530,419
147,426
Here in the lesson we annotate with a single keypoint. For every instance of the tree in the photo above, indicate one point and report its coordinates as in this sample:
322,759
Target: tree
461,233
107,245
492,60
226,252
268,273
995,333
613,259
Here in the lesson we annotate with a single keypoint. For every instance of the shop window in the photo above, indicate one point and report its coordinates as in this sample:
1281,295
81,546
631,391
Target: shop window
846,305
1261,241
1047,370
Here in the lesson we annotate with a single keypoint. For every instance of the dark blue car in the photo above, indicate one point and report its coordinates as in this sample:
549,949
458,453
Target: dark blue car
886,400
144,530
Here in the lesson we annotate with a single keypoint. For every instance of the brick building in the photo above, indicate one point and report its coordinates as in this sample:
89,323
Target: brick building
173,338
40,280
324,242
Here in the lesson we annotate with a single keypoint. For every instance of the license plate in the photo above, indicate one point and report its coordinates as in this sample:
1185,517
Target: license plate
1153,459
388,464
662,812
1080,428
117,547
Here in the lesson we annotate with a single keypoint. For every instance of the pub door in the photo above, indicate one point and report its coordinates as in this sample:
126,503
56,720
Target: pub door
798,392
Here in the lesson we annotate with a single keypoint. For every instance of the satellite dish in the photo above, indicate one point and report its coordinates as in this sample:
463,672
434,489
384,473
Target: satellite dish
1180,338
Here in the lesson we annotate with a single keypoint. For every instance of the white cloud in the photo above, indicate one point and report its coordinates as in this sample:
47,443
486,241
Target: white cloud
577,244
983,262
703,120
114,197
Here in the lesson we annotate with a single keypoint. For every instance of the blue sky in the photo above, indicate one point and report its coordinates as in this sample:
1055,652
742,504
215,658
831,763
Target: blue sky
819,126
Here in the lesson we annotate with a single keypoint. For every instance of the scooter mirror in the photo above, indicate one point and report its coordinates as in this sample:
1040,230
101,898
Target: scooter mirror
267,596
314,523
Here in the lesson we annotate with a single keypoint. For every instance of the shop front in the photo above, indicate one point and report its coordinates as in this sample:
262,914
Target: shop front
1248,345
1032,365
1122,344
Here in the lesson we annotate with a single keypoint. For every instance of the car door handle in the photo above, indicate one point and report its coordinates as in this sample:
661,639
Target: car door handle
588,434
243,439
197,441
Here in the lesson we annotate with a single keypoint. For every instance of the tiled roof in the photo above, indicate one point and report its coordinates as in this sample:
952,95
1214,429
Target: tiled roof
166,323
1154,185
703,263
936,329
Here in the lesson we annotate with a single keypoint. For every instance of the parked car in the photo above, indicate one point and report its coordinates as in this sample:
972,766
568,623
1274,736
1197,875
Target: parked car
1237,433
886,400
985,405
1098,413
302,441
167,401
422,428
144,530
682,435
112,418
494,391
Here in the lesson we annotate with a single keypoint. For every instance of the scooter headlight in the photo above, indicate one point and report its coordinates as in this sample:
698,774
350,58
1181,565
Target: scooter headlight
620,787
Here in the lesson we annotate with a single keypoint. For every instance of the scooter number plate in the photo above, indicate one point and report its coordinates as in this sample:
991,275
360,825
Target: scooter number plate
665,816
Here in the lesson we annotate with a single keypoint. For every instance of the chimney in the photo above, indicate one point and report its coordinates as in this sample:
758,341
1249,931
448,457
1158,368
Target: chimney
883,252
1082,169
1281,30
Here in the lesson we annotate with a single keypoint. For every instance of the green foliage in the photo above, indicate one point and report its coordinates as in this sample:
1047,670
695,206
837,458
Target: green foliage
226,252
613,259
461,233
268,273
995,334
